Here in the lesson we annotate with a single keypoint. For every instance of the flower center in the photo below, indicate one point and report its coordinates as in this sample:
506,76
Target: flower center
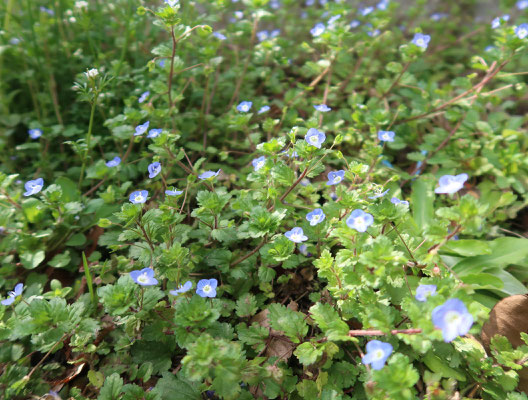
315,218
260,164
12,294
359,222
452,317
207,288
337,179
378,354
139,198
420,42
143,278
314,139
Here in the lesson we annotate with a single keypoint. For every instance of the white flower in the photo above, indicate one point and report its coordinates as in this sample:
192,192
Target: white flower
92,73
81,4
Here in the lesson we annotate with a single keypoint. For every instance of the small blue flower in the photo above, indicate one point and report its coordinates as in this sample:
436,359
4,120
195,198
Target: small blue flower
145,277
48,11
451,183
114,162
274,33
34,133
208,175
182,288
287,154
258,163
386,136
453,319
173,192
305,182
318,29
316,216
377,354
421,40
34,186
296,235
244,106
219,36
206,288
383,4
239,14
263,109
138,197
378,195
172,3
522,4
366,11
497,21
11,296
322,108
154,169
521,31
354,24
397,201
438,16
335,177
360,220
423,291
333,19
154,133
161,63
303,249
262,35
141,129
315,137
143,96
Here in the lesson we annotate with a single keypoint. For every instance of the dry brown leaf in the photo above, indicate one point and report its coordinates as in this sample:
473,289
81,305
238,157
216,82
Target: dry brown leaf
508,318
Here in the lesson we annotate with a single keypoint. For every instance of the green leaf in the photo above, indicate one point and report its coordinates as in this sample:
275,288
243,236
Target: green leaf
504,251
96,378
292,323
422,199
437,365
308,353
468,247
246,305
31,260
111,388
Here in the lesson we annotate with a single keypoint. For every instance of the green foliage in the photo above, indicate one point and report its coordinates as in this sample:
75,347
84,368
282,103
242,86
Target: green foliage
288,317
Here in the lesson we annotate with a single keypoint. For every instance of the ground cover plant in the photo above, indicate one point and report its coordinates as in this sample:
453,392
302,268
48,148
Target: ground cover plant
275,199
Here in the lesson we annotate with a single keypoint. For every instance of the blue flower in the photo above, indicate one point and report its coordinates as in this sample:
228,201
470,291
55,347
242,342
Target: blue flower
451,183
335,177
143,96
262,35
219,36
296,235
378,195
354,24
521,31
315,217
322,108
522,4
386,136
497,21
303,249
172,3
397,201
366,11
154,133
360,220
114,162
421,40
207,288
452,318
11,296
423,291
182,288
145,277
318,29
208,174
274,33
48,11
263,109
383,4
34,133
173,192
138,197
258,163
333,19
244,106
287,154
438,16
141,129
154,169
377,354
315,137
34,186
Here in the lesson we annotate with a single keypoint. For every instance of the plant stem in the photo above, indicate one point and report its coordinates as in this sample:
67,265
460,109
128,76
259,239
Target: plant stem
88,140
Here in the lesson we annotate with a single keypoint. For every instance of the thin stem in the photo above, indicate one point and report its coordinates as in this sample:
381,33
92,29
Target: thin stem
45,356
361,332
264,241
88,139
